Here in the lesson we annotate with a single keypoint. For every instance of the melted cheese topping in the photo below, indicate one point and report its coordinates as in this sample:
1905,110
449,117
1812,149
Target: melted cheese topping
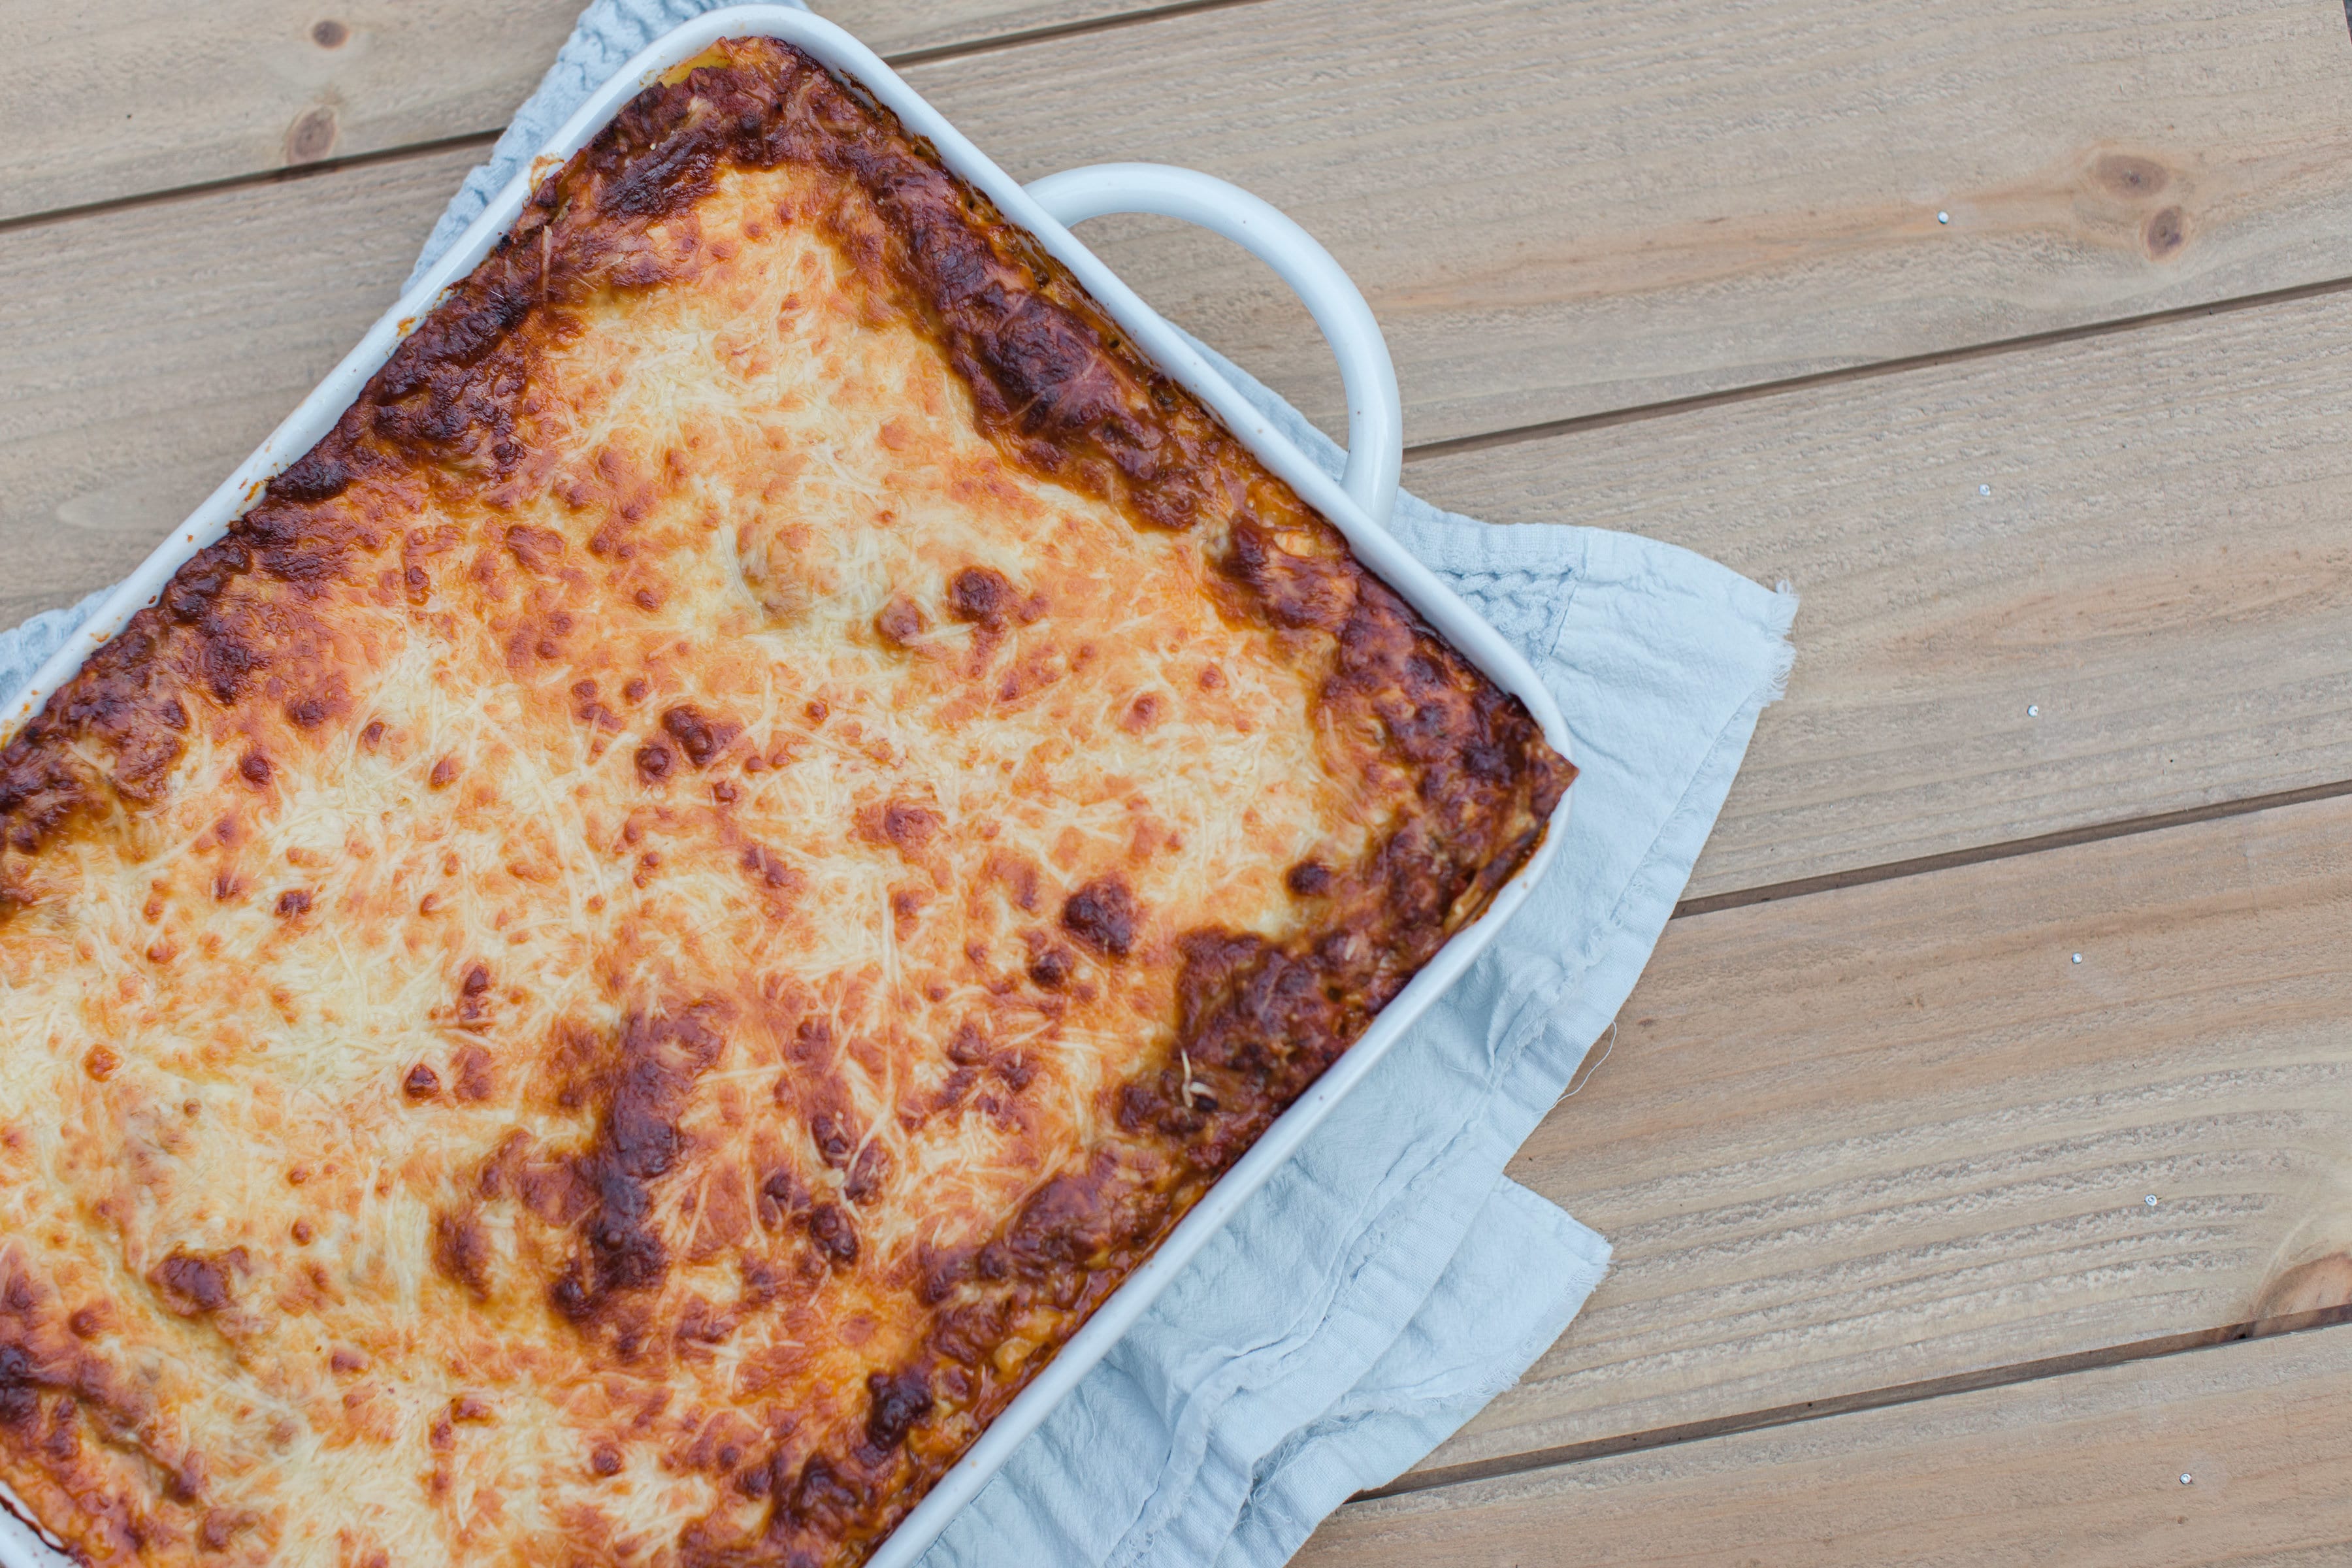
532,1068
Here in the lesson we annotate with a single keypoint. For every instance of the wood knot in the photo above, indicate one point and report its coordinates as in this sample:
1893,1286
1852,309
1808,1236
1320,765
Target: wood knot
2322,1285
2129,175
2165,234
311,136
329,33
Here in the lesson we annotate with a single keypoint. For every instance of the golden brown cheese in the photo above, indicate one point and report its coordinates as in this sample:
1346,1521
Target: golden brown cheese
608,976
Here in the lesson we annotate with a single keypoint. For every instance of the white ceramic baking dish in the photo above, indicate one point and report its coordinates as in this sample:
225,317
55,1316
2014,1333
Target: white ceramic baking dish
1358,506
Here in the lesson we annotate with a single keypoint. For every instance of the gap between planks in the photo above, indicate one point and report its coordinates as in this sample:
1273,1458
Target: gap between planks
202,188
961,49
1914,1159
1898,1394
2193,1461
2090,833
1179,9
1871,369
2008,1376
1760,891
1973,1380
1686,263
1456,446
969,47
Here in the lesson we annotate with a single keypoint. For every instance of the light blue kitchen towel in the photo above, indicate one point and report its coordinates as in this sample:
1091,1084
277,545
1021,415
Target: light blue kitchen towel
1390,1281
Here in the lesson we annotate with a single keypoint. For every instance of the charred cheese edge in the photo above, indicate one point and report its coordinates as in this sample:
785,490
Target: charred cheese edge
608,976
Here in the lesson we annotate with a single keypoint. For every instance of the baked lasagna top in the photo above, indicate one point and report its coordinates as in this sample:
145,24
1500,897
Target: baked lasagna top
607,976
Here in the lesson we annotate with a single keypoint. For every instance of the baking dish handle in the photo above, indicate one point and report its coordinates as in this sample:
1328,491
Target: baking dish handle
1375,412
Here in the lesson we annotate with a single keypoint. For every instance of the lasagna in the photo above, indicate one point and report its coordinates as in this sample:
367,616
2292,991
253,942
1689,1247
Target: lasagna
608,975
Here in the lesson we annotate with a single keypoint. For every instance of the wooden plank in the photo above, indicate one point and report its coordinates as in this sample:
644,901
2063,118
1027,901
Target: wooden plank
1896,1133
2081,583
2232,1455
1557,207
147,351
2163,567
97,103
1563,206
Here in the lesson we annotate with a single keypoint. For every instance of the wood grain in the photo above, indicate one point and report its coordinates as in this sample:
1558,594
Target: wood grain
1557,207
97,103
2163,567
1850,1140
1563,206
1896,1133
115,422
2085,1470
2081,583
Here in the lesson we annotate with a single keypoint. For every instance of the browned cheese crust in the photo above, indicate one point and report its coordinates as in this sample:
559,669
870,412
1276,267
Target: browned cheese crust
609,974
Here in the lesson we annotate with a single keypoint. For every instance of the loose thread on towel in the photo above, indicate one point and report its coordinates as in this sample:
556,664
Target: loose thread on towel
1576,1088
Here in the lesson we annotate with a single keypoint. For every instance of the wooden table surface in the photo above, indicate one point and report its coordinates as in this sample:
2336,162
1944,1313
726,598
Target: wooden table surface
1978,1150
